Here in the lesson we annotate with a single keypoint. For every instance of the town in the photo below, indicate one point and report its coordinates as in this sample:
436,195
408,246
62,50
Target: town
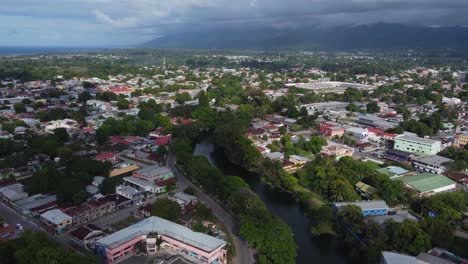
106,163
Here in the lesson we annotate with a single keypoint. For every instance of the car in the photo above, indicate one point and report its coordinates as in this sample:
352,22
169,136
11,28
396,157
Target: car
20,227
140,203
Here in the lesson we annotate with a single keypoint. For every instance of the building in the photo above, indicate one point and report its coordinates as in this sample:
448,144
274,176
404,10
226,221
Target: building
460,177
369,208
462,139
361,134
36,204
433,164
87,235
12,193
125,169
172,237
186,201
70,125
107,156
365,190
153,173
86,212
331,129
398,156
427,184
128,192
396,258
414,144
393,171
56,221
337,150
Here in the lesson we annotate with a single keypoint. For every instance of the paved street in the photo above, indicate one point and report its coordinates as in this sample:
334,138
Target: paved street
243,252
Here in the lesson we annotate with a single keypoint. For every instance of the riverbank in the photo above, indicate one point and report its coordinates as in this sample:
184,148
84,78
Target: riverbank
283,205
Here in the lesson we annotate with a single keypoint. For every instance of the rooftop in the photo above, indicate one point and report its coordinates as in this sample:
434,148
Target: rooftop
365,205
425,182
163,227
417,139
435,160
55,216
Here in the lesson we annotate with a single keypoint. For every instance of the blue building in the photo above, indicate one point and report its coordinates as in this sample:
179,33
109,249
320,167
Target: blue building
369,208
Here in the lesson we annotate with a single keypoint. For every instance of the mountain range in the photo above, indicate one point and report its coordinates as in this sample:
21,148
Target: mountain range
372,36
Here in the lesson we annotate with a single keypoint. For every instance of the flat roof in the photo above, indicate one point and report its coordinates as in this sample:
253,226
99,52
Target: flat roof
417,139
432,160
396,258
365,205
35,201
55,216
425,182
164,227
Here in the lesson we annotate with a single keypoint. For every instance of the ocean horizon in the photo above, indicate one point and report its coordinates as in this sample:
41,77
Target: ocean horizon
13,51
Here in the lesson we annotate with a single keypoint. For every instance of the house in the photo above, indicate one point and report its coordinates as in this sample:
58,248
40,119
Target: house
365,190
274,155
460,177
83,213
433,164
415,144
13,192
56,221
427,184
128,192
337,150
369,208
462,138
87,235
107,156
186,201
36,204
331,129
172,237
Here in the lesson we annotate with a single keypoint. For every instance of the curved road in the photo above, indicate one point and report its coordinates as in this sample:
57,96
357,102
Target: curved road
244,254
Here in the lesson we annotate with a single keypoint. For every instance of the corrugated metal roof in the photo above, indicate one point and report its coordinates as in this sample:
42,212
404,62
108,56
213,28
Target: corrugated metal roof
163,227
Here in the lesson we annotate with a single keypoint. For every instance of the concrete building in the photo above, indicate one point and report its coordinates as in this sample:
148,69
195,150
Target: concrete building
414,144
337,150
433,164
369,208
171,237
56,221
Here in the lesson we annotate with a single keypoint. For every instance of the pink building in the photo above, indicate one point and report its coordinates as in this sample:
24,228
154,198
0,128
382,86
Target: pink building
171,237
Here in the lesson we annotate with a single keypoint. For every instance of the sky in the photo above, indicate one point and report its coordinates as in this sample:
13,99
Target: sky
111,23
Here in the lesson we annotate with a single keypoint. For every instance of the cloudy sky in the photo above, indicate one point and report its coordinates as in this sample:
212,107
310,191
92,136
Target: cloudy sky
128,22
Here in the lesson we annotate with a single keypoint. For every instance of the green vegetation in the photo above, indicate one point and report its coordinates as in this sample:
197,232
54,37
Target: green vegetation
37,248
270,236
166,209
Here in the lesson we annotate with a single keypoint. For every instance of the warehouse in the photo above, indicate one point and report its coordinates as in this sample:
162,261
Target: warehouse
427,184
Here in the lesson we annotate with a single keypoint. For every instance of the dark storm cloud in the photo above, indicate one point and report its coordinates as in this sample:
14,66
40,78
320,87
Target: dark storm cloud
136,20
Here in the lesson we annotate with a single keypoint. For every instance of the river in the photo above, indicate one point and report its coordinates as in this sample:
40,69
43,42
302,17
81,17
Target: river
311,250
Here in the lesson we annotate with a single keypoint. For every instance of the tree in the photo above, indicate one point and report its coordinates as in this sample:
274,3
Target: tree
182,97
407,237
372,108
19,108
84,97
108,184
166,209
283,130
353,108
62,134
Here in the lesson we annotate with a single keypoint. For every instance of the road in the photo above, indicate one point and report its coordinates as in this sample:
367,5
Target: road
244,254
12,217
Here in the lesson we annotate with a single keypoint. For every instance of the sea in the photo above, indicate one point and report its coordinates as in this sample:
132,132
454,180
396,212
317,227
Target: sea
14,51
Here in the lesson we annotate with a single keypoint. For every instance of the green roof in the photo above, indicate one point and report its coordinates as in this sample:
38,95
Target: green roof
365,188
425,182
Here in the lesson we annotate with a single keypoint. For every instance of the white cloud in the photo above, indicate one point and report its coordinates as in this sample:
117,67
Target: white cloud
119,23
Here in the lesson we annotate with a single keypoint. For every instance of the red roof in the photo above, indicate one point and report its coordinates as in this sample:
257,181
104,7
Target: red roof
6,230
105,155
163,140
165,182
83,231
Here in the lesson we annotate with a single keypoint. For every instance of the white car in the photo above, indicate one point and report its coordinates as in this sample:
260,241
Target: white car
20,227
